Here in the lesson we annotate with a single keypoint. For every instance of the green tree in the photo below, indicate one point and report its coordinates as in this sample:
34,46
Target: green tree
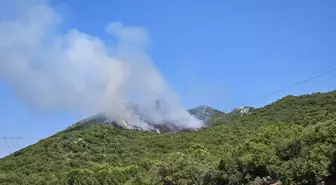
81,177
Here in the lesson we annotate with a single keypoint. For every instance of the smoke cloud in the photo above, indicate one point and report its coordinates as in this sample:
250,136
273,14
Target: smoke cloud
76,71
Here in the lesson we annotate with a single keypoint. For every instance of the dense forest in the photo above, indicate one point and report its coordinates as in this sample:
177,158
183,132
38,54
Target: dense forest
291,141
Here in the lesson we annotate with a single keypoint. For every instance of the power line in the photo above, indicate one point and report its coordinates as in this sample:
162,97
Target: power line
296,84
301,82
311,28
10,149
8,146
308,29
11,137
286,88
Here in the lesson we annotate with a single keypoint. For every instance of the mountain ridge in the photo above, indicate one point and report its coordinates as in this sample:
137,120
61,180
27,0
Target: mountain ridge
291,140
204,113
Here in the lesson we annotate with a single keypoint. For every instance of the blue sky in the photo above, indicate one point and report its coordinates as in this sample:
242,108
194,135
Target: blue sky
220,53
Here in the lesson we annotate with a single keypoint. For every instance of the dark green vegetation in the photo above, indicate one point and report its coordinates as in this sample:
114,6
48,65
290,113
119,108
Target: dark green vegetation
221,118
292,140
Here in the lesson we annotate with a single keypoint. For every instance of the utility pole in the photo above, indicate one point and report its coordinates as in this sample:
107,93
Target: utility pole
6,139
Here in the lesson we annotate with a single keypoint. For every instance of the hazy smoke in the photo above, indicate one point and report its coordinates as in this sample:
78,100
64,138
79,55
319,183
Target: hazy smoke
76,71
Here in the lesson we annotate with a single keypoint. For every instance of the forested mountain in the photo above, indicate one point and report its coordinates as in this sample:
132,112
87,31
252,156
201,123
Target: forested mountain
292,141
205,112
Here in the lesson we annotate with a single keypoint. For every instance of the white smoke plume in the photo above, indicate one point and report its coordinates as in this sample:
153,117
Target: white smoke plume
76,71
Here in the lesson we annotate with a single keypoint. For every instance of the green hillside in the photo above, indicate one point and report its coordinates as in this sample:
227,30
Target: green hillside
205,112
292,141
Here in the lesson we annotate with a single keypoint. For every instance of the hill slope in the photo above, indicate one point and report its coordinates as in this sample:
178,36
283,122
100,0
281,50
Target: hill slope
204,112
292,140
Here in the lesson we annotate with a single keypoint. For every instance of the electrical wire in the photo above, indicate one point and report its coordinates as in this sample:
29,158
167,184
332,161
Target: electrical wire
295,84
